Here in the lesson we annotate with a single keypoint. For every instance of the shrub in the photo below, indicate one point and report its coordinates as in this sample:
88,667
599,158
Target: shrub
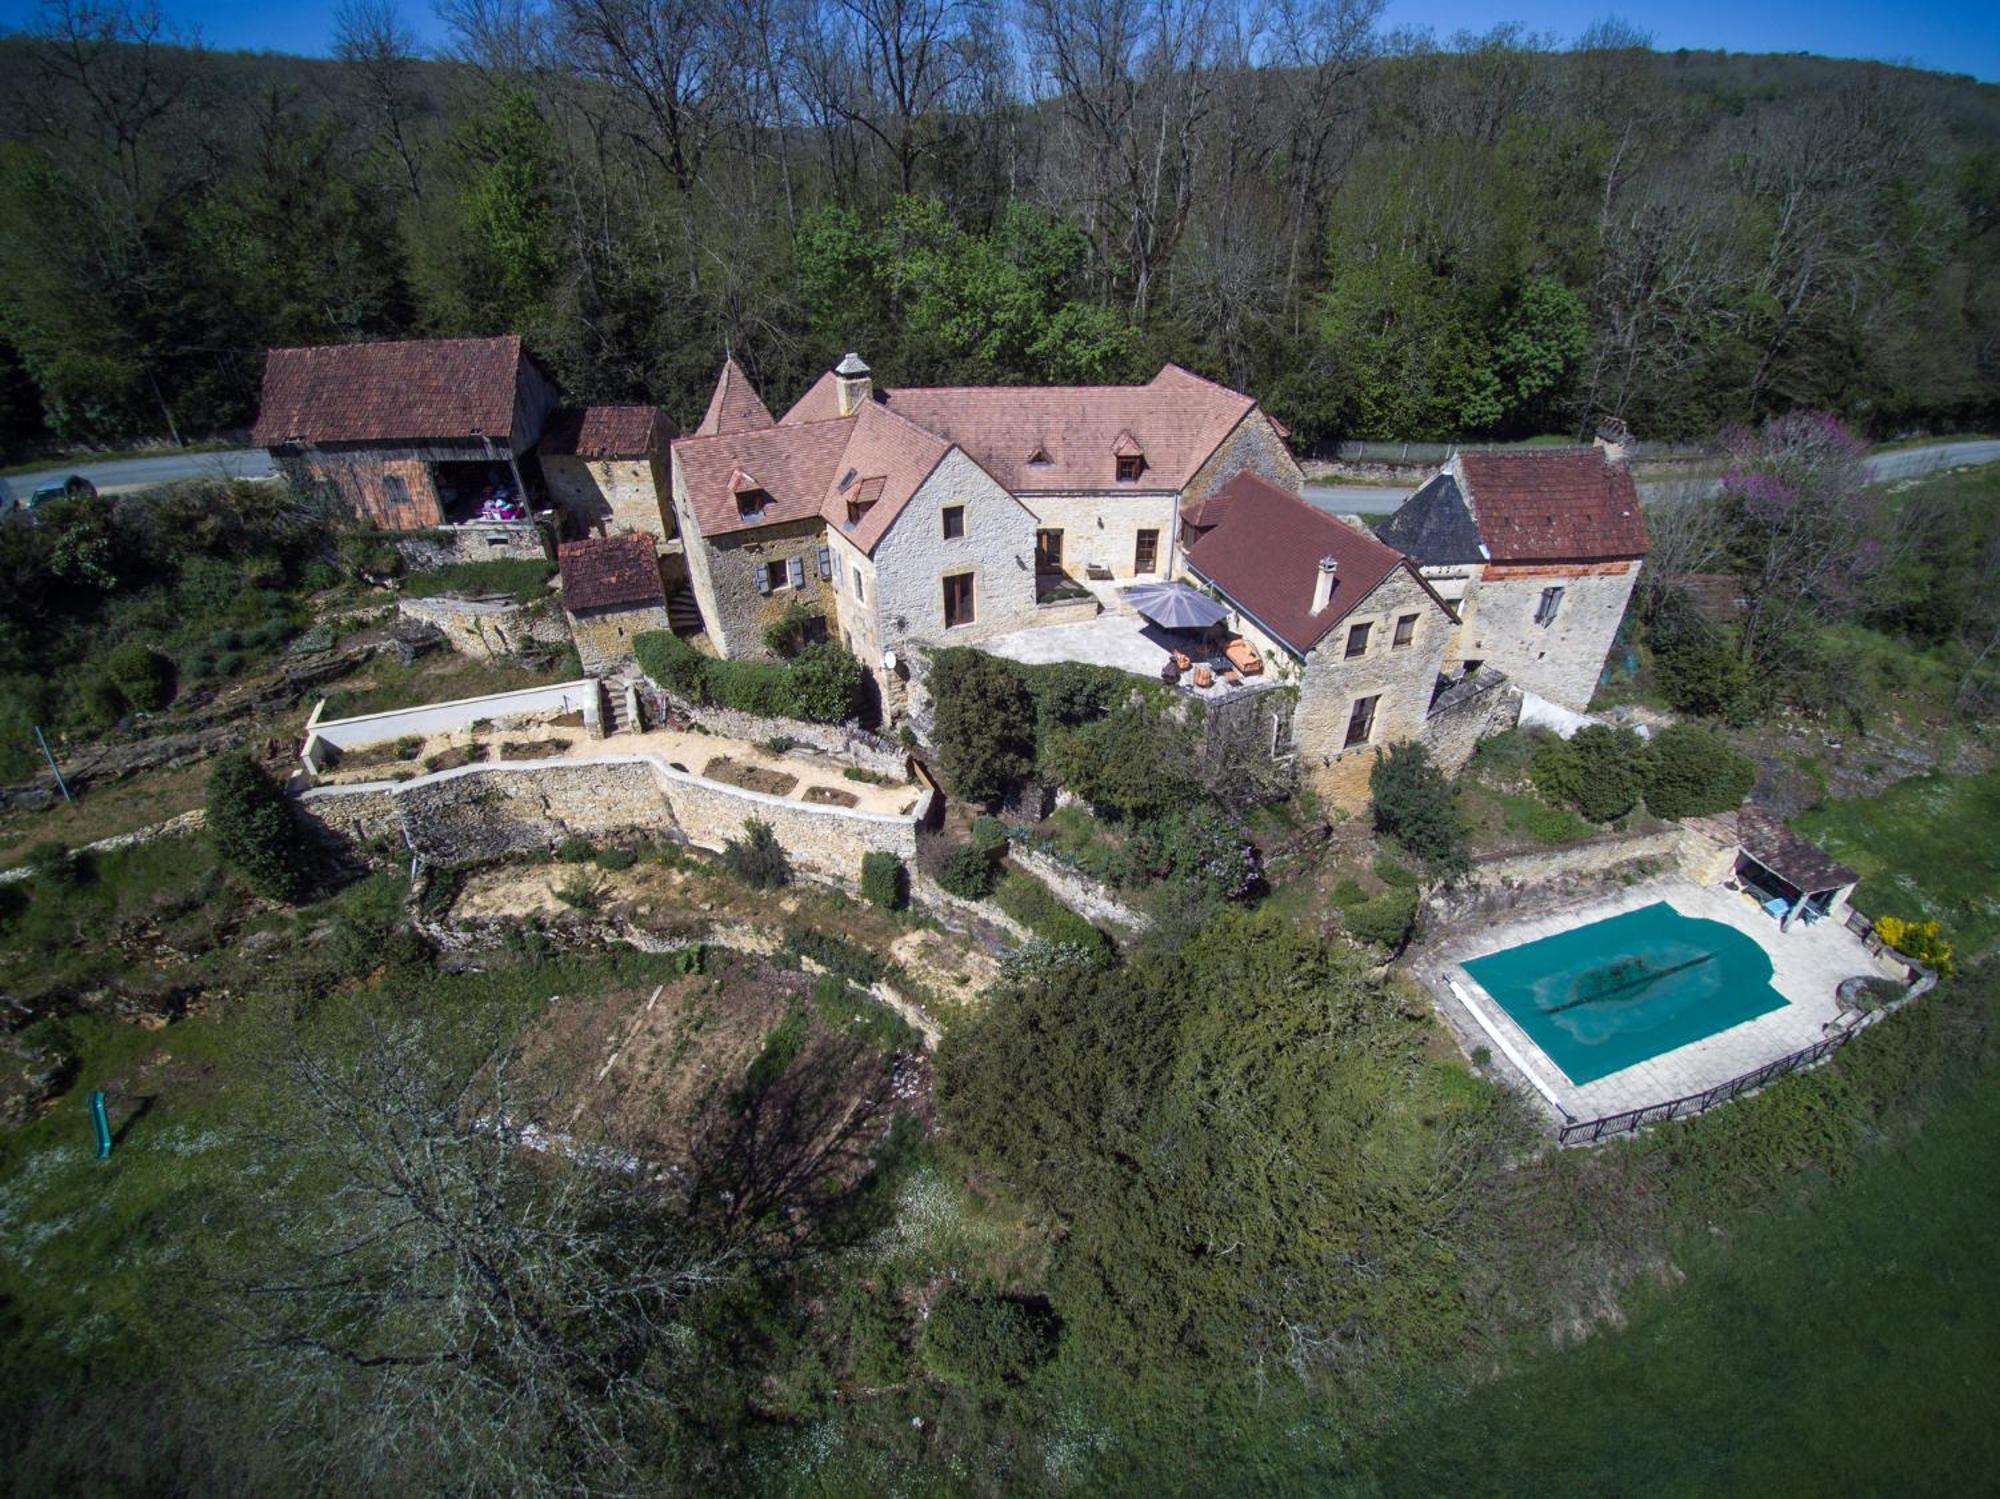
102,702
142,674
1611,771
989,836
582,891
885,883
1693,663
616,858
825,684
983,724
968,873
1031,903
251,823
1202,847
757,859
987,1342
1693,771
672,662
54,865
852,962
520,578
1922,940
576,850
1386,920
1413,804
1348,893
1134,763
793,630
1389,872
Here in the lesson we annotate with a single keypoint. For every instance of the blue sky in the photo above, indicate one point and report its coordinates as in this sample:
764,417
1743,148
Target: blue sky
1957,36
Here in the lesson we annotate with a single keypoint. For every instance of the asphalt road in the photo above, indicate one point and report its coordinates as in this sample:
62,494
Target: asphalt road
137,473
1362,499
1904,463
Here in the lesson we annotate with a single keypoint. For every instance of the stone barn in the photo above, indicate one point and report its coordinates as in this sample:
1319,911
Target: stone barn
611,593
607,467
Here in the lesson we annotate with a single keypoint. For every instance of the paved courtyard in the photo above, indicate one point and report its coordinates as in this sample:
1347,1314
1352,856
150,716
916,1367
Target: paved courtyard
1118,637
1807,963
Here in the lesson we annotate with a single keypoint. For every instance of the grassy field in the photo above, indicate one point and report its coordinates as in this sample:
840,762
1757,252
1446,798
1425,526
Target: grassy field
1925,850
441,678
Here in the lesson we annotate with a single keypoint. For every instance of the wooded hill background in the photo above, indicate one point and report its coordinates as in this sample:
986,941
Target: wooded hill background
1380,235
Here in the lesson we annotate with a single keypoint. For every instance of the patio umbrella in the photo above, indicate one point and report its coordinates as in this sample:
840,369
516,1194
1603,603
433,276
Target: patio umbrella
1176,606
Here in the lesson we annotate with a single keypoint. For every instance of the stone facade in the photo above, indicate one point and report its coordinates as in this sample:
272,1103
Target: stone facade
731,585
483,812
1400,678
1466,713
604,636
1102,529
1561,659
606,496
1254,447
486,629
495,541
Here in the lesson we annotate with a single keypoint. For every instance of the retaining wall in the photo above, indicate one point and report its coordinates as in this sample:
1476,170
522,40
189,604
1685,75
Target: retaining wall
1091,899
855,745
486,628
1503,884
502,709
482,812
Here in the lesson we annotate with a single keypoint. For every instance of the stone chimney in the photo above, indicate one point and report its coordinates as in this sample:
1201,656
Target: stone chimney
1329,567
852,383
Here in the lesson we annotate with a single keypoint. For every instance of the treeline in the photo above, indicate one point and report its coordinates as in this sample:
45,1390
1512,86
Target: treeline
1384,235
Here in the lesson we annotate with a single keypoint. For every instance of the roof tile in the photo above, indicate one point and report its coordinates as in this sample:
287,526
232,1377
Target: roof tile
380,392
610,570
733,406
610,432
1569,506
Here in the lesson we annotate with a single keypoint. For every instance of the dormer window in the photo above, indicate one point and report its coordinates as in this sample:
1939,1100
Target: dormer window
1129,457
751,497
863,497
1039,458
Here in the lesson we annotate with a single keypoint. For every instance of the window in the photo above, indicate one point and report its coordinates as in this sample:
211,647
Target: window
1048,551
1406,631
395,493
1357,641
1361,722
1130,466
954,522
1545,611
1146,555
750,503
775,574
859,592
957,600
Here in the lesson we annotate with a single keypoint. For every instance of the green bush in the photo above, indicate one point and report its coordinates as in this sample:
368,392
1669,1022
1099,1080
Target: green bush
1202,847
1693,771
983,725
1599,771
1389,872
836,955
1386,920
1694,663
581,891
523,579
1348,893
1413,804
672,662
989,836
968,873
793,630
885,883
616,858
986,1342
251,824
1135,763
576,850
1031,903
757,859
142,674
55,865
101,703
825,684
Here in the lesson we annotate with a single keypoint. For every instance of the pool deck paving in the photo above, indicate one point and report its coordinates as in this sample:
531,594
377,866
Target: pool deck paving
1807,964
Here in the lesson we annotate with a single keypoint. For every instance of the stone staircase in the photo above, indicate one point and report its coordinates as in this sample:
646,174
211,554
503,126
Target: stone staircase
683,612
618,710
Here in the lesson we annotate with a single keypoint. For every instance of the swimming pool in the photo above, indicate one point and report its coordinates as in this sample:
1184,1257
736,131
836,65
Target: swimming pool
1619,991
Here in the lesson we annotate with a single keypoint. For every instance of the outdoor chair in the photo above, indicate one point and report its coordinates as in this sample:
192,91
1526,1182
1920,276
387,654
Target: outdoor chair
1203,677
1243,656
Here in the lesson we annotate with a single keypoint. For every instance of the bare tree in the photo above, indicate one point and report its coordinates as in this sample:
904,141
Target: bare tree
381,57
890,67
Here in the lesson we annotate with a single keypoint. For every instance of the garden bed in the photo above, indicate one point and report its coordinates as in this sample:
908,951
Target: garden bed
750,777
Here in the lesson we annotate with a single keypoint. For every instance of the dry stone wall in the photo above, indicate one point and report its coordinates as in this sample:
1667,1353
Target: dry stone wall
473,542
485,629
1468,712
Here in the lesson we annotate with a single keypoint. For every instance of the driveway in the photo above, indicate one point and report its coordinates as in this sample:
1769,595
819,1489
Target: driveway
140,473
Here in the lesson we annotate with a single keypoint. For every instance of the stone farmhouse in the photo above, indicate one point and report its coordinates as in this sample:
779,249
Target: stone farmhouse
946,515
606,466
611,593
1349,620
1538,554
411,435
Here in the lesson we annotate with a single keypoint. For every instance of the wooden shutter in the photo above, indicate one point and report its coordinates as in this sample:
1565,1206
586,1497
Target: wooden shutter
763,578
826,562
798,572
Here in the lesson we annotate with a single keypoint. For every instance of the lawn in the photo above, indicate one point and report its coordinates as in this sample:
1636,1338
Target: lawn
385,685
1925,850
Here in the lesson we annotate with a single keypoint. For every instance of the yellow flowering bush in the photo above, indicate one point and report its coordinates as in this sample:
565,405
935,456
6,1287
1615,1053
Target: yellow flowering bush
1922,940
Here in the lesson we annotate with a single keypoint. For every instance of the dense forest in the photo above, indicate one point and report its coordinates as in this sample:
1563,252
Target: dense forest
1383,234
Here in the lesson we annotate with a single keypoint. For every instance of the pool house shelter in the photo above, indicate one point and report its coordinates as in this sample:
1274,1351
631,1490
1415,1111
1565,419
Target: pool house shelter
1791,877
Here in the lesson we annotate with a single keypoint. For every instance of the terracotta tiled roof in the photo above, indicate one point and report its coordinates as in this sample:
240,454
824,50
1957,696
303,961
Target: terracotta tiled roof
820,403
1176,420
1264,551
380,392
793,465
610,432
733,406
608,571
1775,846
887,458
1554,507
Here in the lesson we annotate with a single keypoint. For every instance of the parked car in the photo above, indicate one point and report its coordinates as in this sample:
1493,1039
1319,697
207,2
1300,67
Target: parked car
14,503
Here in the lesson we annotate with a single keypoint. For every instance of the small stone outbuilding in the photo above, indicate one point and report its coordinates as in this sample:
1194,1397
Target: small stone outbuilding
611,593
607,467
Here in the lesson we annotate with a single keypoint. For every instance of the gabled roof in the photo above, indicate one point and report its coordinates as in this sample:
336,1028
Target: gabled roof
889,459
610,432
733,406
1564,506
1435,525
1799,860
793,465
1176,419
454,388
1263,551
610,571
820,403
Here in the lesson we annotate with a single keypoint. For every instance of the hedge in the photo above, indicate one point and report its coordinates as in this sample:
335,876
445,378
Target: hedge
823,684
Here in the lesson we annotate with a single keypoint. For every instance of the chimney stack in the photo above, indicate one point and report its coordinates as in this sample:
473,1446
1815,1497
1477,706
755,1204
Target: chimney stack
852,383
1329,567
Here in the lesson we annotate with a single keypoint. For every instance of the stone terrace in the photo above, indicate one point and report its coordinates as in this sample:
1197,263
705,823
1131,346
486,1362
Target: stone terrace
1118,637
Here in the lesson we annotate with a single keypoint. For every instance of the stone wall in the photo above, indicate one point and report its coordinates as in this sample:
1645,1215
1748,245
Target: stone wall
1255,447
1091,899
1562,659
843,741
487,628
482,812
604,636
1401,678
610,496
736,608
528,705
1102,528
476,541
1511,882
1466,713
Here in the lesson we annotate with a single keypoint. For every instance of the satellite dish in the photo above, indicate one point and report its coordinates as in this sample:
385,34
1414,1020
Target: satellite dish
888,660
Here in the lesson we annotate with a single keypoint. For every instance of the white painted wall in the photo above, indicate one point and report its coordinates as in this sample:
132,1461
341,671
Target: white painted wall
444,718
913,558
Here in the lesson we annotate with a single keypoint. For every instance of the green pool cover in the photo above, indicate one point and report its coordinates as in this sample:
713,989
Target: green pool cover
1621,990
